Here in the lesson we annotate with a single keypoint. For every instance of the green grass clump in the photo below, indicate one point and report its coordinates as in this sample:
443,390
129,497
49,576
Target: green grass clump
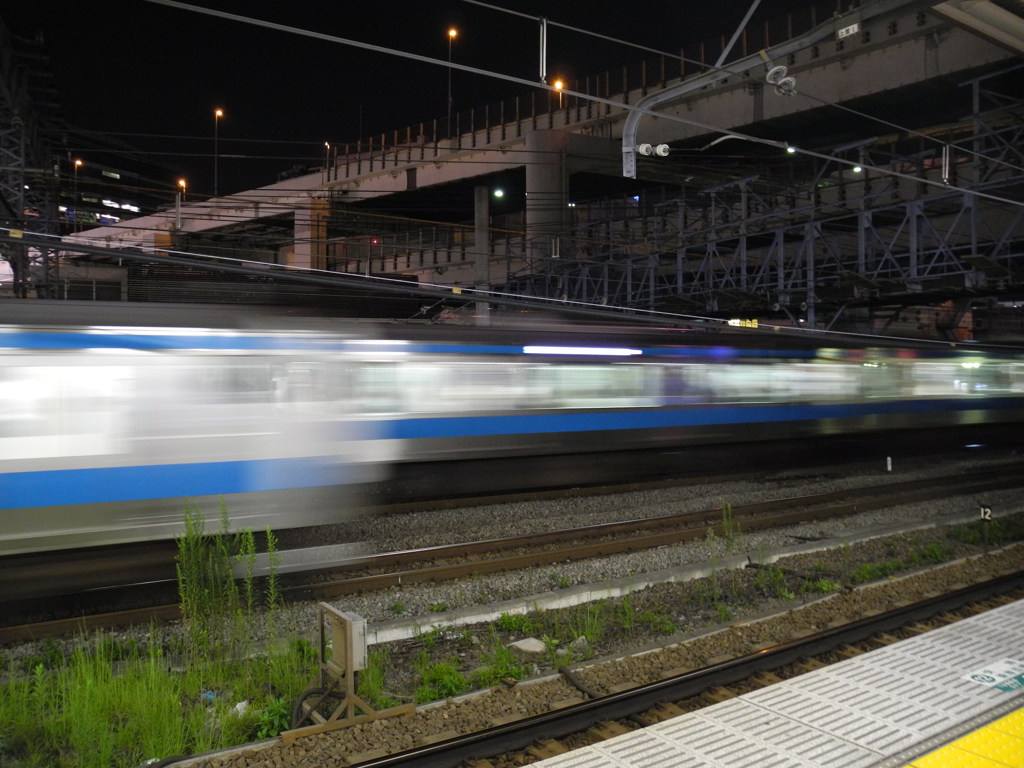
821,586
102,708
721,613
559,581
370,687
431,638
996,533
500,665
275,718
732,533
439,680
115,703
588,621
931,553
516,623
867,572
771,582
657,622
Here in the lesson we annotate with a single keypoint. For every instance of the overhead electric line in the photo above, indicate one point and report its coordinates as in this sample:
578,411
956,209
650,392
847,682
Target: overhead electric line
780,145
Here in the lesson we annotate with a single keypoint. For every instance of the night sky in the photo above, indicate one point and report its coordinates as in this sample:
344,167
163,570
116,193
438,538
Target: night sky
152,75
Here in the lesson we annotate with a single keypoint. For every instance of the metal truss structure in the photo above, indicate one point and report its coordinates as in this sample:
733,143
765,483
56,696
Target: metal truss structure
927,219
27,182
924,219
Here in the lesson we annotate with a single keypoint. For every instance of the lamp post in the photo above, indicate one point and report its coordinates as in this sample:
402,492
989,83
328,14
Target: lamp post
452,34
74,194
217,115
559,85
177,205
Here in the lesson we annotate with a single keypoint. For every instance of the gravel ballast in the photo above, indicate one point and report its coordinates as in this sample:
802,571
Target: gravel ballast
435,604
501,703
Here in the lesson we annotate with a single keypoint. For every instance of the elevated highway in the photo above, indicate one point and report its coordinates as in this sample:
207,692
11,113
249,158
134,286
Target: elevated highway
902,186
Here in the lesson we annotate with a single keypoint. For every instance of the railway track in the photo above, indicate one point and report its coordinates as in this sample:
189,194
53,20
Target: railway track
598,712
474,558
156,600
603,716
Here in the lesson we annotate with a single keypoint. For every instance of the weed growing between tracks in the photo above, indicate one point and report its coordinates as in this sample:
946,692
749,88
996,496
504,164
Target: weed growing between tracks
113,703
116,703
435,663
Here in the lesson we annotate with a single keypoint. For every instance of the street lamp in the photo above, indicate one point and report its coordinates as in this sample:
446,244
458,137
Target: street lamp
217,115
177,203
559,85
74,194
452,34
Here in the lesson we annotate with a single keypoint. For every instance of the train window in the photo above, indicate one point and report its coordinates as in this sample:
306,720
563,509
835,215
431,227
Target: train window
473,386
52,411
317,384
683,384
565,385
438,385
249,382
376,387
941,378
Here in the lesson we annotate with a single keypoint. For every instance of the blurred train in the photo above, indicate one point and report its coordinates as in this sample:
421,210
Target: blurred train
116,417
110,426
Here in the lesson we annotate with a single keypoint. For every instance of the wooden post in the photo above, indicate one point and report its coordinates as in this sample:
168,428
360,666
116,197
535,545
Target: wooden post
336,678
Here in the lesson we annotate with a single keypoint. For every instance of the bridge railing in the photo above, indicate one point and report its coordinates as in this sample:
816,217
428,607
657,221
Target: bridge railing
512,118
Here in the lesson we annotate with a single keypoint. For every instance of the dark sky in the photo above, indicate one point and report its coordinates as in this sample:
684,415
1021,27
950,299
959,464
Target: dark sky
124,67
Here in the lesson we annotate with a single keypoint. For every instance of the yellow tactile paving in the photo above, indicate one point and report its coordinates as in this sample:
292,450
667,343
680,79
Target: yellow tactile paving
997,745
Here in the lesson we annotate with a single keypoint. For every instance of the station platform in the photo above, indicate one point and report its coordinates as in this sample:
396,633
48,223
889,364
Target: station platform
949,698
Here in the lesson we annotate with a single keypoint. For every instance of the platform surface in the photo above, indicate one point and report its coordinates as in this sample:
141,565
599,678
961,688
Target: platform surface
949,698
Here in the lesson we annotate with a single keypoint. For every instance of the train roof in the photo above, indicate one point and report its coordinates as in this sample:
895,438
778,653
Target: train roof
56,314
763,337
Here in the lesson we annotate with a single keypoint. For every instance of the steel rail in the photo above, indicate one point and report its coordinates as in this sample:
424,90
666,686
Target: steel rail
561,546
578,717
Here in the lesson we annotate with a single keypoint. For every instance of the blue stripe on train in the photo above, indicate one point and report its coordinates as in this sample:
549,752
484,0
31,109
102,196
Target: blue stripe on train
110,484
556,421
83,486
141,341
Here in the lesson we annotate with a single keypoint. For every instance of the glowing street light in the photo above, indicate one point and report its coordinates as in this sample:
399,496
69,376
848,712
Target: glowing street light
559,85
74,193
177,204
218,113
453,34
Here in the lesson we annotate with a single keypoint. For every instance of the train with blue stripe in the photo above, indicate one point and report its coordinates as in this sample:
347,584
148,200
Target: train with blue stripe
455,393
115,417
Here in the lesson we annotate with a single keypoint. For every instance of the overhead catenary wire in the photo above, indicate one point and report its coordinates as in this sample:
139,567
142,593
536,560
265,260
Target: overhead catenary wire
725,69
720,66
439,290
623,106
778,144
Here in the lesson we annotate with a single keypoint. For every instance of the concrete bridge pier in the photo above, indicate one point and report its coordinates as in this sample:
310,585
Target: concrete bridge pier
310,251
547,190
